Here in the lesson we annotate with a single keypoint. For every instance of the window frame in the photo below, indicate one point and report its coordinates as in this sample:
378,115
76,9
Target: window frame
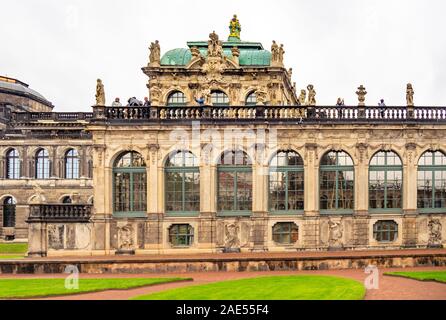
282,233
40,173
236,169
388,222
9,220
16,164
431,168
183,170
71,160
220,104
386,168
131,171
189,236
176,104
248,97
337,168
285,169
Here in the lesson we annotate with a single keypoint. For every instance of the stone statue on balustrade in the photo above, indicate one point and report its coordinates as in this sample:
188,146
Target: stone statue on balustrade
100,93
302,97
311,95
409,95
215,46
155,54
361,92
261,96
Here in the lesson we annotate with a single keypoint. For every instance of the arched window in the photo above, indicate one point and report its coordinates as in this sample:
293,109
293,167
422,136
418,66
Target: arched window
219,98
12,164
234,183
129,185
181,235
385,231
431,181
9,212
182,179
336,182
251,99
286,182
385,181
42,164
176,98
72,164
66,200
285,232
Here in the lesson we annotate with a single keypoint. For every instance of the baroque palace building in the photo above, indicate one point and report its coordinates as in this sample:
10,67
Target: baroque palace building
226,158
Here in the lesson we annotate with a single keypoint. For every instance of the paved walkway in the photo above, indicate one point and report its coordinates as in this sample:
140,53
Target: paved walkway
390,288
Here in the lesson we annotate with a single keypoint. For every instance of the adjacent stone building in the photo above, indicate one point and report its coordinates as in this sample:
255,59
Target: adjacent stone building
227,157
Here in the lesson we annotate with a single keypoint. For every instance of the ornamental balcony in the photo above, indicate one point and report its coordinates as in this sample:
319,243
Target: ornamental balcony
60,212
274,114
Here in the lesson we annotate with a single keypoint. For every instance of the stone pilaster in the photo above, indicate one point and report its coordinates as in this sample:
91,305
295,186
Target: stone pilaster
311,178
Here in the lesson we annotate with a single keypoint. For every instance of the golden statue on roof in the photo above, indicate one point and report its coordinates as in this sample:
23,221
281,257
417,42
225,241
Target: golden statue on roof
234,28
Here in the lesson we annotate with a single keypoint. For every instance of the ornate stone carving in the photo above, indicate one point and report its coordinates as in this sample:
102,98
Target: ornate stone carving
302,97
435,227
361,92
290,73
100,93
155,96
155,54
335,229
232,239
362,151
235,54
409,95
311,95
125,237
261,96
281,53
215,46
411,152
153,150
274,53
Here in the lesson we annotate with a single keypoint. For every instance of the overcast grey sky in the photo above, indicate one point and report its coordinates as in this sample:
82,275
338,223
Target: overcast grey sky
60,47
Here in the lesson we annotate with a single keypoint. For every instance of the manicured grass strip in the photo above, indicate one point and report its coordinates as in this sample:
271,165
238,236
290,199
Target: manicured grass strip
28,288
13,248
299,287
439,276
10,256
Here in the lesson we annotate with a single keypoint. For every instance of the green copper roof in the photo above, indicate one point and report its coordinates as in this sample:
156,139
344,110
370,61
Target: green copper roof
251,53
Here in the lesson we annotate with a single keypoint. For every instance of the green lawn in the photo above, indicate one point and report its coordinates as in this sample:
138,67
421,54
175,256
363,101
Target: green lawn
13,248
439,276
28,288
10,256
301,287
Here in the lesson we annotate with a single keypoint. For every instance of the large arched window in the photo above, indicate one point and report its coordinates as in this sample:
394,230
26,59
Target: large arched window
12,164
286,182
234,183
42,164
336,182
182,183
9,212
219,98
72,164
129,185
385,181
432,181
251,99
176,99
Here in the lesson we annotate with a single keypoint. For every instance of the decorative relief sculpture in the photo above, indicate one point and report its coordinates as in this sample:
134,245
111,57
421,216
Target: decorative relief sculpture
195,52
261,96
311,95
125,238
435,227
234,28
215,46
361,92
274,53
290,73
155,95
409,95
302,97
232,240
235,54
100,93
155,54
335,229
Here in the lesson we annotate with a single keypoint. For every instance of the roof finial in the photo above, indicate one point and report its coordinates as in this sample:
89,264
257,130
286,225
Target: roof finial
234,29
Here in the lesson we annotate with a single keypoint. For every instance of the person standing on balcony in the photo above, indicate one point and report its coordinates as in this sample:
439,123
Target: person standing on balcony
116,103
382,108
339,104
146,102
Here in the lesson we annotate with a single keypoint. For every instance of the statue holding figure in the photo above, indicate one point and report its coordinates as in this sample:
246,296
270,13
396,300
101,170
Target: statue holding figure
409,95
100,93
155,53
234,28
311,95
302,97
215,46
274,52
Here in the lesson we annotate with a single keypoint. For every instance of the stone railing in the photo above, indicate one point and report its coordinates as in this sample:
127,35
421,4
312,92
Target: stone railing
55,116
301,114
60,212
